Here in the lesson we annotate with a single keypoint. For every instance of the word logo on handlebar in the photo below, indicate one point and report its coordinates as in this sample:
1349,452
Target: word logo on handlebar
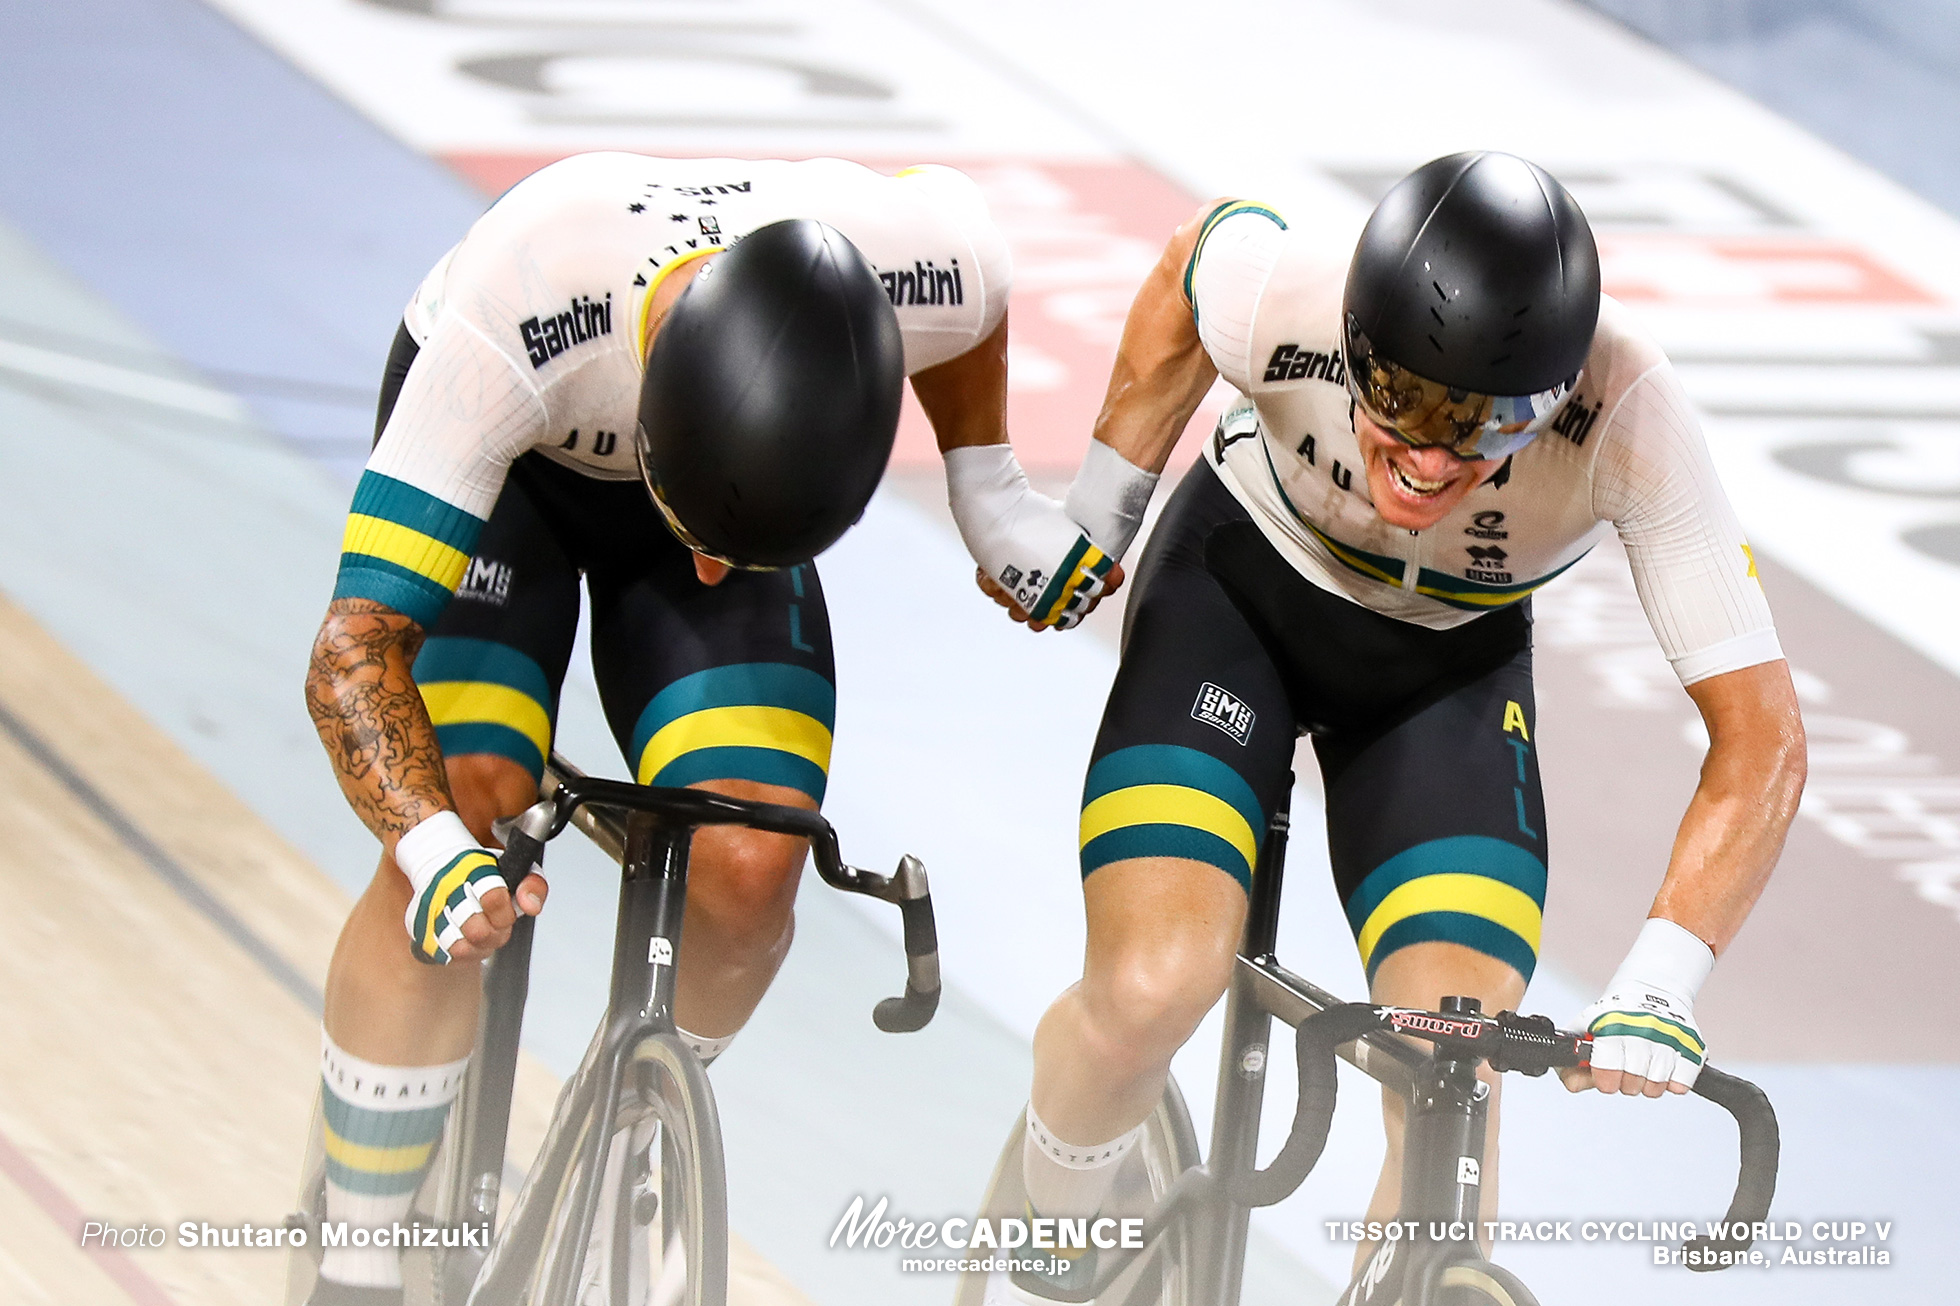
1423,1022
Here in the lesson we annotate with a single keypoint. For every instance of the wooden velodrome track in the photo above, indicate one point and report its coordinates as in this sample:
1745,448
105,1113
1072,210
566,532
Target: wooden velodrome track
162,949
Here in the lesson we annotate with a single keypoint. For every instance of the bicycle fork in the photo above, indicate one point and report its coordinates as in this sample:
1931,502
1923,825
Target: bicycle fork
646,946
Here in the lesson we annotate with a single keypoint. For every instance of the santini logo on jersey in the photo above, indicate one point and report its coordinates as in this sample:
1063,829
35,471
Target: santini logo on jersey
924,283
546,338
1575,423
1292,363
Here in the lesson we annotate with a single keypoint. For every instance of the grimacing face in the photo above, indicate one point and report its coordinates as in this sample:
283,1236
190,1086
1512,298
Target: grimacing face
1414,488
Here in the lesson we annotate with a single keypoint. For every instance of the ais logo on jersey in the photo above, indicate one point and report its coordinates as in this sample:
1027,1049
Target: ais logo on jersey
1292,363
1487,565
547,337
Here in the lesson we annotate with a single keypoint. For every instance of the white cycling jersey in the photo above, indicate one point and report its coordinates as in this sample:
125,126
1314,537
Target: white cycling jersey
532,328
1627,450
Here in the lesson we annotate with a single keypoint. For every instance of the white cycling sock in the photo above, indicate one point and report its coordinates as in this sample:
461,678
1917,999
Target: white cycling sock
1065,1179
704,1047
382,1127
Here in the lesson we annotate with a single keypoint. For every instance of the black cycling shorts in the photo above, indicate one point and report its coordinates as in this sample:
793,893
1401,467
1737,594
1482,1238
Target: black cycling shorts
726,682
1435,816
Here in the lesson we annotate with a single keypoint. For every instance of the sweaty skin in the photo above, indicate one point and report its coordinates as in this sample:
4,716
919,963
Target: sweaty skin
385,1006
1163,931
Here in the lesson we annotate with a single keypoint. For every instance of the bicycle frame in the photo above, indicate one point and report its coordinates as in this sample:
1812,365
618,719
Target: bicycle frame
1209,1207
652,847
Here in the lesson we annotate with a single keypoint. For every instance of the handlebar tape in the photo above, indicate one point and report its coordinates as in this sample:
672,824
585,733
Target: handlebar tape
915,1010
521,856
1313,1044
1755,1182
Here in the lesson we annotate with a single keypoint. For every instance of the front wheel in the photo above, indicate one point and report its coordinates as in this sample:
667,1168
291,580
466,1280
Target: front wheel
1479,1283
303,1262
1167,1149
659,1232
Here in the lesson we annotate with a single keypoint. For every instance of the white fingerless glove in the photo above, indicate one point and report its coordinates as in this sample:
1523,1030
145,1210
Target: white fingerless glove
1645,1023
1053,559
448,873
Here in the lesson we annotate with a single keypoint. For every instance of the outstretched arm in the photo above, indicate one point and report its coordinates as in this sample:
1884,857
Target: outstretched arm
965,398
1751,781
1049,564
1645,1038
1162,371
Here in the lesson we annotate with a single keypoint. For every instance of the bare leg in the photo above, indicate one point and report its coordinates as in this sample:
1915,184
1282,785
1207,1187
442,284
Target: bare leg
382,1004
1162,935
741,914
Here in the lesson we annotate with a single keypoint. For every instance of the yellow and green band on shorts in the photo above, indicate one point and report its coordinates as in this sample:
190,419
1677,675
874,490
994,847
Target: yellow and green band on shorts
486,697
404,547
766,722
1164,800
1474,890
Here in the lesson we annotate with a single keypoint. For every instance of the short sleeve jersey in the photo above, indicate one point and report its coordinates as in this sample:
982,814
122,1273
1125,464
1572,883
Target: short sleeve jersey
1626,453
533,329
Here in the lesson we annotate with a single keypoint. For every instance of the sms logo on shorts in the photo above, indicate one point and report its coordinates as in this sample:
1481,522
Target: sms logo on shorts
1216,707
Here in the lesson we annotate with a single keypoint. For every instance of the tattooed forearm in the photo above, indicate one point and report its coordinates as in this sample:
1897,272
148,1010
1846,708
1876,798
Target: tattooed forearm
370,716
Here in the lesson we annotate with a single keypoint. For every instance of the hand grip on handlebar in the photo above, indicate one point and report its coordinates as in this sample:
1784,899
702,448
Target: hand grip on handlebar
1755,1182
1314,1044
524,840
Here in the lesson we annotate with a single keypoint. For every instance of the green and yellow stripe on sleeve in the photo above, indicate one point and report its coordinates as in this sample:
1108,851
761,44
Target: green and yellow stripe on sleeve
404,547
1229,209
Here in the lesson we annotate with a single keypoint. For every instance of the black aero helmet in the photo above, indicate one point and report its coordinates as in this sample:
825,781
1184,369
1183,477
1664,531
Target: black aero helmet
770,401
1471,304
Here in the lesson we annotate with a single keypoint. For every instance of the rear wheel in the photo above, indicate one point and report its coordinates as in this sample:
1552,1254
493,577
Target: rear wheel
1167,1149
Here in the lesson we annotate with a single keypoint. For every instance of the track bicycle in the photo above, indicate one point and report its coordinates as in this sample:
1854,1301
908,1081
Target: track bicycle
1195,1210
626,1203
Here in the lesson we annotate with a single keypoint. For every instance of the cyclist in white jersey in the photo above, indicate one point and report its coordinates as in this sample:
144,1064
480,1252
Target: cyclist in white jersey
675,381
1434,424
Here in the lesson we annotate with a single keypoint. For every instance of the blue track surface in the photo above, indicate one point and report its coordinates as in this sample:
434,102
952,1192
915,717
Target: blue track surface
258,227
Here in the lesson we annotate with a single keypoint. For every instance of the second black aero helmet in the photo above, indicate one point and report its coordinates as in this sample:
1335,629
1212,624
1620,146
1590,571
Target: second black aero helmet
771,398
1470,304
